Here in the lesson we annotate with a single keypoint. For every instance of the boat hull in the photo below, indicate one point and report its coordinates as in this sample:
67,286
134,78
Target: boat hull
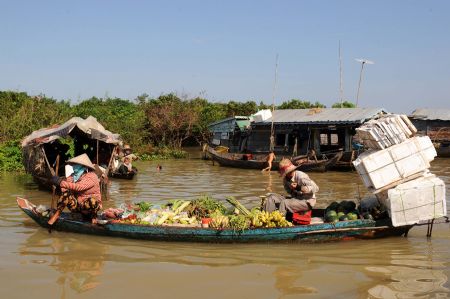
345,230
236,161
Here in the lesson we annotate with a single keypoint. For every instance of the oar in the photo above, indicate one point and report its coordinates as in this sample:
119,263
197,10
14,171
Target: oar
53,205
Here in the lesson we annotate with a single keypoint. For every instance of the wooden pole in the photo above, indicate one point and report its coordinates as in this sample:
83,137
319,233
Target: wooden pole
98,163
110,160
53,205
272,131
52,171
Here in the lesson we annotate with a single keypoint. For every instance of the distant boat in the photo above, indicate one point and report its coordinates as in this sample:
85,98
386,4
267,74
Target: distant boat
258,161
127,176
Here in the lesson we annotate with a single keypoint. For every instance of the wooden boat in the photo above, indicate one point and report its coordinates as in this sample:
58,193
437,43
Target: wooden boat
125,176
343,230
320,165
259,162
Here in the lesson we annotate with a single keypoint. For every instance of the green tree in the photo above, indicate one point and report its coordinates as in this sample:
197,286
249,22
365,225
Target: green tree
22,114
169,120
117,115
207,113
344,104
299,104
234,108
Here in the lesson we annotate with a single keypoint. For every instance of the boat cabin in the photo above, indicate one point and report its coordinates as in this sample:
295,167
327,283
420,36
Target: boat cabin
434,123
229,132
42,148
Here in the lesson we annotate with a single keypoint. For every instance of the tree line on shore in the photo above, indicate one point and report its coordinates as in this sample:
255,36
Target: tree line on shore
158,126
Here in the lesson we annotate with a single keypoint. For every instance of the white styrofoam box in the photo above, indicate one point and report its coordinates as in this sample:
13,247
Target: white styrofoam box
409,124
379,168
262,115
418,200
386,131
427,147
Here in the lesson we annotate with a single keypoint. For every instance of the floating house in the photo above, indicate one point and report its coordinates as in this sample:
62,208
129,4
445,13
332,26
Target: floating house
434,123
229,132
298,130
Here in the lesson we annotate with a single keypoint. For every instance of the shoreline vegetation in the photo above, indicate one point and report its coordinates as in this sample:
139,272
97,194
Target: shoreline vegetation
156,128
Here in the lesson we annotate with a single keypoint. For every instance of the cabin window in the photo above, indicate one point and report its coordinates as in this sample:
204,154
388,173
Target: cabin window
329,139
334,139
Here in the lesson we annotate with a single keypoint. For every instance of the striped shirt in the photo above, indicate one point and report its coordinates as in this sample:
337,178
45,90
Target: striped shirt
87,186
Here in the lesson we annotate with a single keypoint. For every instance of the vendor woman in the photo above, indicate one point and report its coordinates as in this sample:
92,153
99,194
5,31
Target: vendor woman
80,191
301,189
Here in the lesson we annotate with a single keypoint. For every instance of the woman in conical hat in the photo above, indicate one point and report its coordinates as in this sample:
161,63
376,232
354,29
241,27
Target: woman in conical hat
301,189
81,190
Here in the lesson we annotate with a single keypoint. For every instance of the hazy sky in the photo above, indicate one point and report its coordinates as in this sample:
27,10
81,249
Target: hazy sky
226,50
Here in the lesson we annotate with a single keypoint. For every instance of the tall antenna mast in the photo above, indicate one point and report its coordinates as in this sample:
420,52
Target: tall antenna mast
341,88
363,62
272,138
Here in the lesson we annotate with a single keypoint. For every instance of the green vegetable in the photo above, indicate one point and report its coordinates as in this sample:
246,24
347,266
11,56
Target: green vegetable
144,206
243,210
203,206
239,222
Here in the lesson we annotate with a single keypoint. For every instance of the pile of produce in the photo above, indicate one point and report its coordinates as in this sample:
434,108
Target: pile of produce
191,213
343,211
145,213
203,206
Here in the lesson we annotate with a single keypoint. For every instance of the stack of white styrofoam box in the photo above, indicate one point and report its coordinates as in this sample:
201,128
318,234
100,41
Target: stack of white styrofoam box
395,164
418,200
386,131
262,115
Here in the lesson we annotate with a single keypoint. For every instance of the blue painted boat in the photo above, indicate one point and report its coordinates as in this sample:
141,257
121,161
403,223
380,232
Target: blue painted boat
343,230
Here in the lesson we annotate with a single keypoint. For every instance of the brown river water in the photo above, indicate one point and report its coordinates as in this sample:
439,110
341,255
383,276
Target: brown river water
36,264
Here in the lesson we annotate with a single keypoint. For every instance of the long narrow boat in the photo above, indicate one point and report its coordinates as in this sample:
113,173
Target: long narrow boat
343,230
259,162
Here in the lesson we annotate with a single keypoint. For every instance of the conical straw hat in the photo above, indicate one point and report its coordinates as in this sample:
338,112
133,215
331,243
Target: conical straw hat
286,166
82,159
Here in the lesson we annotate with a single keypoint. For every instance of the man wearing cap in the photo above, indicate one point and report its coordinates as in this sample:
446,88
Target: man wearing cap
81,190
298,185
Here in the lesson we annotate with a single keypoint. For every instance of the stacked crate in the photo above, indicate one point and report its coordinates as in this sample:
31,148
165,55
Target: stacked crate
396,170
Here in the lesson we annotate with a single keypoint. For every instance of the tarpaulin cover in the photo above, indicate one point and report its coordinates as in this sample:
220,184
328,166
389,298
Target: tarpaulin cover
90,126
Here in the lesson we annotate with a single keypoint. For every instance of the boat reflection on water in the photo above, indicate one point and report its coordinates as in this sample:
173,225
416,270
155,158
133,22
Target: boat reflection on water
79,263
286,280
409,276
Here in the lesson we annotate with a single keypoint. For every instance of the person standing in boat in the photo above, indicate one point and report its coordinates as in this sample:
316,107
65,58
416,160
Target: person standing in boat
128,152
80,191
301,188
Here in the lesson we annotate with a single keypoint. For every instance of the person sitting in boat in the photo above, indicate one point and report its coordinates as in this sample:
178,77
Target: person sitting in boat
80,191
270,157
301,188
126,166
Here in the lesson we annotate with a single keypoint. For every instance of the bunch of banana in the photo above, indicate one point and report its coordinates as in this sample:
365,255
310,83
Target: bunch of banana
266,219
219,222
